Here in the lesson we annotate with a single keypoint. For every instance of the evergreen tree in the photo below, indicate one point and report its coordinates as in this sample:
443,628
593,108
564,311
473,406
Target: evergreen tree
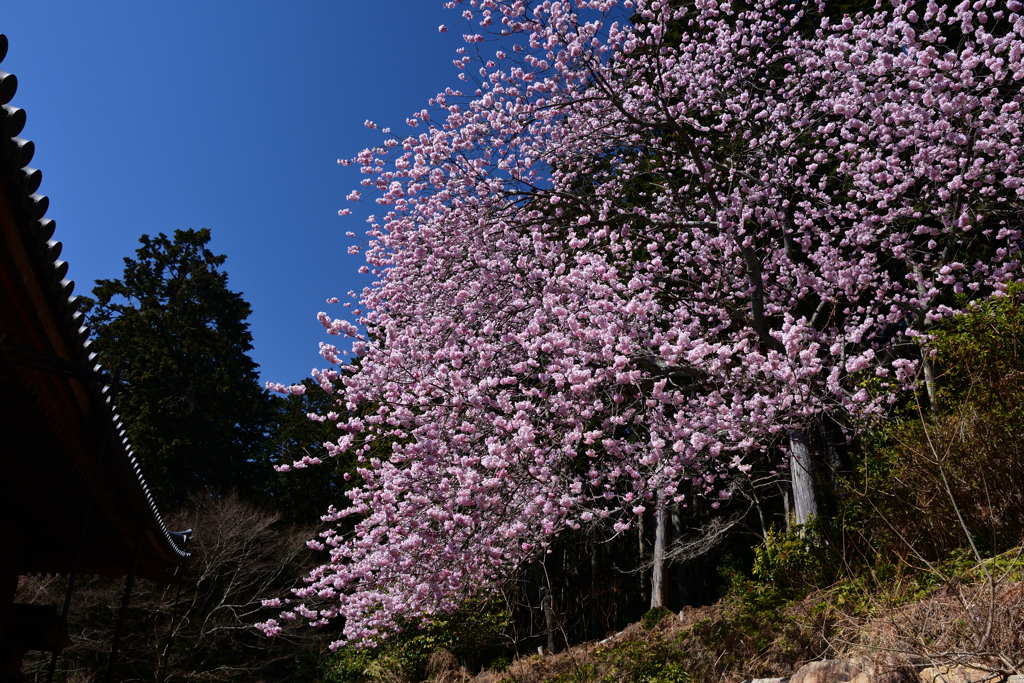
302,495
176,339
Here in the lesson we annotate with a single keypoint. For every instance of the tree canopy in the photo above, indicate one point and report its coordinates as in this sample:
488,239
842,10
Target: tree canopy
648,243
177,339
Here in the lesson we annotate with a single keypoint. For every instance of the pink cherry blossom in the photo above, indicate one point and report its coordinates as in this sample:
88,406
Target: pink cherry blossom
614,270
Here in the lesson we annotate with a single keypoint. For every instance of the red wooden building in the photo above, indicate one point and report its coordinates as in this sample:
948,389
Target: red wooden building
72,498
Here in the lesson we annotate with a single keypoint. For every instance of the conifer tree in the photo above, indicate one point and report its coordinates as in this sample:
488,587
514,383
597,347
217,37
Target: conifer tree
177,340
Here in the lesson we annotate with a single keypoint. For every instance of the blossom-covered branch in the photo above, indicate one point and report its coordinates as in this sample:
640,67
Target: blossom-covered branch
646,241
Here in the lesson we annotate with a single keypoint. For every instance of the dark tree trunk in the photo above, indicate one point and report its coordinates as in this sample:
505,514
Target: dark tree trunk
595,629
835,465
549,612
682,592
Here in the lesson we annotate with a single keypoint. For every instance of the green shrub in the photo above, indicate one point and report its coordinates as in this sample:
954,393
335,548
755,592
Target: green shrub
473,634
500,664
656,661
653,617
349,665
584,673
923,476
795,560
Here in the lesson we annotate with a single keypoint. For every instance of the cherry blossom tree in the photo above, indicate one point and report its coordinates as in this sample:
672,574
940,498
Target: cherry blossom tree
649,243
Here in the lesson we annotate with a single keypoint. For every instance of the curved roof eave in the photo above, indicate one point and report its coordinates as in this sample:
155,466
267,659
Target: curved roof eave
15,156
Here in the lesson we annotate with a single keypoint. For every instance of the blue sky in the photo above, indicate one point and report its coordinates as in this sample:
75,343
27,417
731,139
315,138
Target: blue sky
149,117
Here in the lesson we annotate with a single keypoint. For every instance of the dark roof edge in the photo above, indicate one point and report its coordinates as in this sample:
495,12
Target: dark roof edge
17,153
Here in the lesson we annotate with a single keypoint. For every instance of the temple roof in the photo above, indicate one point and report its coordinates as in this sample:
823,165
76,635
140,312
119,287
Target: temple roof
62,443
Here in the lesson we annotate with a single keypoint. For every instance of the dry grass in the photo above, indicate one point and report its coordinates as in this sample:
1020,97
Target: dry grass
729,643
704,642
443,667
957,625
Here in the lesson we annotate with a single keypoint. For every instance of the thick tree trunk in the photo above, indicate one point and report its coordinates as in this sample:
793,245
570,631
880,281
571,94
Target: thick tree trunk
658,573
801,472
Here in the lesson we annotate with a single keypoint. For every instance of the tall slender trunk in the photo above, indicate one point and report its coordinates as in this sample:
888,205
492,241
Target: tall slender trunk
642,554
801,472
595,630
929,381
834,453
658,573
760,509
549,612
926,362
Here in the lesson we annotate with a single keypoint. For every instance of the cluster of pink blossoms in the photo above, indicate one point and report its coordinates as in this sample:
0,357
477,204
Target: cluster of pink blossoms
642,242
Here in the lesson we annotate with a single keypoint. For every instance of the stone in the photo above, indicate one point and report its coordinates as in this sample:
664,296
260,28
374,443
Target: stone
959,674
832,671
858,670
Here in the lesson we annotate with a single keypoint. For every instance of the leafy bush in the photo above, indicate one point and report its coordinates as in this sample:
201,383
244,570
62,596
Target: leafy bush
654,616
644,662
796,560
473,635
935,512
928,484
